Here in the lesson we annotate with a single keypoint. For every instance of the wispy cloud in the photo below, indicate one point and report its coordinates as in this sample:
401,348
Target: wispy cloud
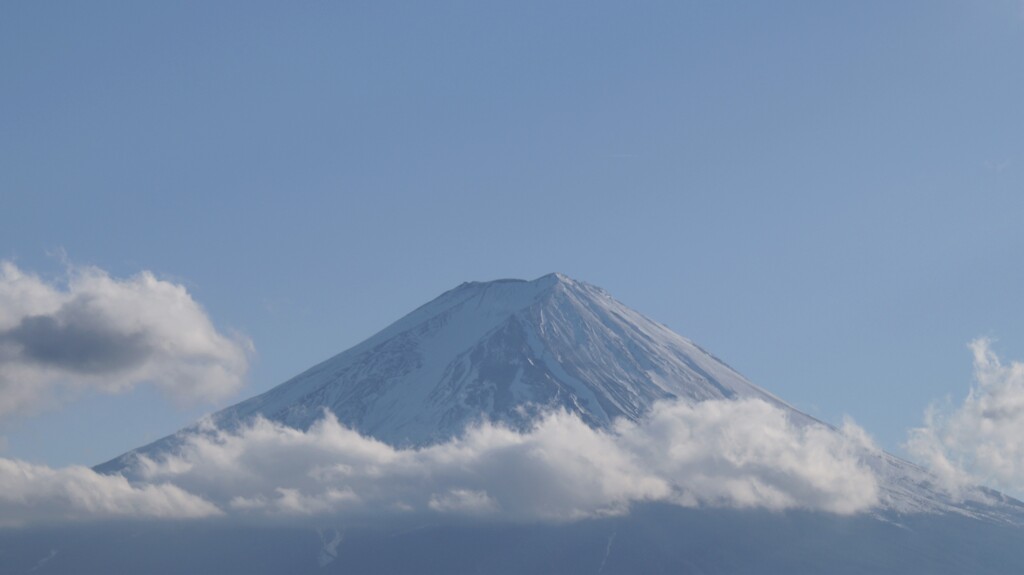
33,494
96,332
982,439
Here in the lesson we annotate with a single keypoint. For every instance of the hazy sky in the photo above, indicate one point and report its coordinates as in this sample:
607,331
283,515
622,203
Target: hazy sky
828,197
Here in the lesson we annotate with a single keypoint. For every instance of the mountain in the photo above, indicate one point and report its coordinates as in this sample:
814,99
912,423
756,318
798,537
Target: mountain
508,350
503,350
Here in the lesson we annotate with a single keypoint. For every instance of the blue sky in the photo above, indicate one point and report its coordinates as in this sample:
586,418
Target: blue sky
828,196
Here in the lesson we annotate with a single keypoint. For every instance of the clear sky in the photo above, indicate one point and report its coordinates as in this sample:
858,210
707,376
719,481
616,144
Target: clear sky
829,196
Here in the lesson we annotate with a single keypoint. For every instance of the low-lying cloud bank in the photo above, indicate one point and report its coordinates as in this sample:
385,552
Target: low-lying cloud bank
980,441
39,494
740,454
95,332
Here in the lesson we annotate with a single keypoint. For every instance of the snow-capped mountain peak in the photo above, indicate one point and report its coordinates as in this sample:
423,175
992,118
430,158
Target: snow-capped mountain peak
502,350
509,350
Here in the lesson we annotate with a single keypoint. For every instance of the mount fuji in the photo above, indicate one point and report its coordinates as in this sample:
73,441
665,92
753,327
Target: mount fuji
513,352
508,351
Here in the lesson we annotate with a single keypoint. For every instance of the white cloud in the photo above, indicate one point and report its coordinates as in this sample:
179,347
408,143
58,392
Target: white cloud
463,501
748,454
982,440
560,470
35,494
287,501
716,453
740,454
95,332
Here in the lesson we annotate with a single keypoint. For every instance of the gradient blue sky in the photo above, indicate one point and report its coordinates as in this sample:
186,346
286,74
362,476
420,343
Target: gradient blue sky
829,196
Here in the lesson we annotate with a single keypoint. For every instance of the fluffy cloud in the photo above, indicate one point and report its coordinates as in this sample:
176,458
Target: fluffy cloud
37,494
560,470
982,440
749,454
95,332
741,454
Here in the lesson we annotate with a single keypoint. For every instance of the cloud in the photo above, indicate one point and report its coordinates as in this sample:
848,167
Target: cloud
739,454
32,494
95,332
981,440
560,470
749,454
463,501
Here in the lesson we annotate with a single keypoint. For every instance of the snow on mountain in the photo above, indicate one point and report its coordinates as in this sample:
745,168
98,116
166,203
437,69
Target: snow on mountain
508,350
504,350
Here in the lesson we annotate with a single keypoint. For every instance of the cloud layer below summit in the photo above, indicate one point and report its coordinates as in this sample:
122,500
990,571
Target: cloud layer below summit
738,454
